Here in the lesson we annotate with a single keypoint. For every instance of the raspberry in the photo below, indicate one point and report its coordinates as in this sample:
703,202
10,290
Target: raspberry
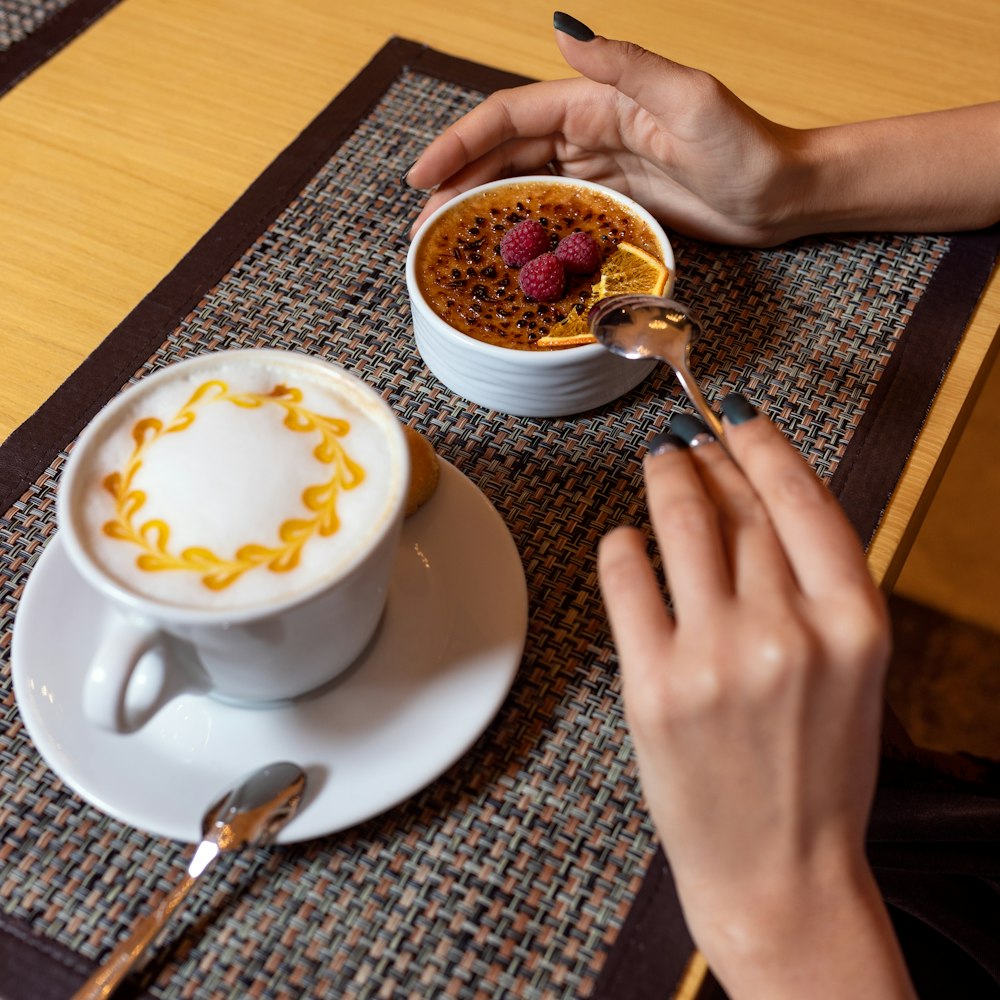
527,240
579,253
543,278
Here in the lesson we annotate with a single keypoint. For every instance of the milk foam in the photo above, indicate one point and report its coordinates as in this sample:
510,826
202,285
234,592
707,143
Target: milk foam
230,485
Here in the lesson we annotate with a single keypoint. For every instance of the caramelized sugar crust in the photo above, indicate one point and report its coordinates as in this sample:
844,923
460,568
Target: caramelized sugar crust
465,281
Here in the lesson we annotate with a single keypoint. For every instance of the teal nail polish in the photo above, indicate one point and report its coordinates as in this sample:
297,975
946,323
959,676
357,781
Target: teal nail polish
571,26
406,172
691,430
737,409
664,442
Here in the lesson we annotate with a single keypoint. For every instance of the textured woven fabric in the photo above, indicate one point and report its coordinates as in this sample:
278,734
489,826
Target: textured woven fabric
19,18
512,873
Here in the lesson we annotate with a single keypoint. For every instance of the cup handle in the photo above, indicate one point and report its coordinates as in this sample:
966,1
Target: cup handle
106,685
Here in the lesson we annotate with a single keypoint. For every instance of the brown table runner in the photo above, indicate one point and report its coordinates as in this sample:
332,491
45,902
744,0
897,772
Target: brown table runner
521,871
32,31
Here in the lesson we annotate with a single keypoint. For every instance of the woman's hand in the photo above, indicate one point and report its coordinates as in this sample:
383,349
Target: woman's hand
681,144
755,709
671,137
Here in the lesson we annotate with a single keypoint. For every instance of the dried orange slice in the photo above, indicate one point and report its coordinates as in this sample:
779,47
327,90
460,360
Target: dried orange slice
630,270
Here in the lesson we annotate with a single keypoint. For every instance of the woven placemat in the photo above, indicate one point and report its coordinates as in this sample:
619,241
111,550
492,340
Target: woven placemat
32,31
514,874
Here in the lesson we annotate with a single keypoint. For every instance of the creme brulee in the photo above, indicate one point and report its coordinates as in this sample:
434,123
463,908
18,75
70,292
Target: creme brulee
465,281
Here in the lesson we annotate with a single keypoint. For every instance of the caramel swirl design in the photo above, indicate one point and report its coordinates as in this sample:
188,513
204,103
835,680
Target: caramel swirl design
152,537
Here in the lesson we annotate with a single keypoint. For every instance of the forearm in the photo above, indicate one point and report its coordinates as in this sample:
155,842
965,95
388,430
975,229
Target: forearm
938,171
834,940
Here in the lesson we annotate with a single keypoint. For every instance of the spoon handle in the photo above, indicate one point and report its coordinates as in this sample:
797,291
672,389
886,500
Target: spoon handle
690,386
123,959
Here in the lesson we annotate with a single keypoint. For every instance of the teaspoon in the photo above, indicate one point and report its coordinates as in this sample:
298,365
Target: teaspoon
648,326
249,814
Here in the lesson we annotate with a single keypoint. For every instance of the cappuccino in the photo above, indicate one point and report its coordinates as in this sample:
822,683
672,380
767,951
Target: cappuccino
248,479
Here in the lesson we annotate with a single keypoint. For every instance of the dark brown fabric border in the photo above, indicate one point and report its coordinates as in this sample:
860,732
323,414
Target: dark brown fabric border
48,38
638,965
874,460
40,969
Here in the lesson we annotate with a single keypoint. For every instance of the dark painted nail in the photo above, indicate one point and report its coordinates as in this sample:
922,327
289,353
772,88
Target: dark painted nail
691,430
664,442
406,172
572,27
738,409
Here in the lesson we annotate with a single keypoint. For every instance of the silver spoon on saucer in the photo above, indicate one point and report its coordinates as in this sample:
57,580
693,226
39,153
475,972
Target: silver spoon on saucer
251,813
649,326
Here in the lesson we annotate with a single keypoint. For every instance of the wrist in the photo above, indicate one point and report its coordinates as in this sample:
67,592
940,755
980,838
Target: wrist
929,172
822,933
842,189
795,199
817,188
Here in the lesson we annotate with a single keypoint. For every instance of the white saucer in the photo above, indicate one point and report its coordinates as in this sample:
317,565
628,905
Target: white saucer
435,675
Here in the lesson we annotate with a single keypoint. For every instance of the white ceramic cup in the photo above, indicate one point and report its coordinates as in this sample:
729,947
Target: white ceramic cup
526,383
285,639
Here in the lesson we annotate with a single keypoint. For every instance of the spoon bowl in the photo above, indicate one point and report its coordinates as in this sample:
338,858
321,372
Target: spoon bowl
250,814
644,327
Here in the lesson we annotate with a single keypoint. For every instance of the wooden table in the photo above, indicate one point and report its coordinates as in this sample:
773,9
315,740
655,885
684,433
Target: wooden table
124,148
121,151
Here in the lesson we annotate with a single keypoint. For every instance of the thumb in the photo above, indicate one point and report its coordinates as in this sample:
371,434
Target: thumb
649,79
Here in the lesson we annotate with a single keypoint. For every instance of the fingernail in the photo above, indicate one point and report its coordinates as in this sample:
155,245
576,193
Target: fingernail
572,27
738,409
664,442
691,430
406,173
